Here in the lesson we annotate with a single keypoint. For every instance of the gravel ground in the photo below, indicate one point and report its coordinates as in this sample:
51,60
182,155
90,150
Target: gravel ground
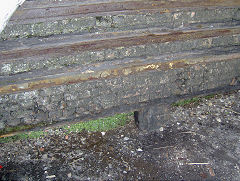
202,142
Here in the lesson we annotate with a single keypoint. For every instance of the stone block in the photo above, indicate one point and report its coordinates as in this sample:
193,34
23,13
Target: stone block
97,56
153,117
104,21
13,122
2,125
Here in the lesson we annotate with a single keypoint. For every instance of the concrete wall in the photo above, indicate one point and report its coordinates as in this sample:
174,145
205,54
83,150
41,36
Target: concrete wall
77,66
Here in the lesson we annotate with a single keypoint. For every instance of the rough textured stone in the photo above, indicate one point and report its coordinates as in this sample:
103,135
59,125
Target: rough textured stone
80,25
97,95
129,87
121,22
13,122
2,125
153,117
88,57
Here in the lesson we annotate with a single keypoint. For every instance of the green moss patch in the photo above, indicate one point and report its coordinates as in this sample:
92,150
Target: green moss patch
19,128
193,101
186,102
20,136
103,124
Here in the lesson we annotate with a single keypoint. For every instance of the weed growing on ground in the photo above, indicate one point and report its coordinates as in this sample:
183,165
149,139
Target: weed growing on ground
103,124
194,100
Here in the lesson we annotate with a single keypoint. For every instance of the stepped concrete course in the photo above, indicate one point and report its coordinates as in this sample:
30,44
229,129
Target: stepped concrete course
70,60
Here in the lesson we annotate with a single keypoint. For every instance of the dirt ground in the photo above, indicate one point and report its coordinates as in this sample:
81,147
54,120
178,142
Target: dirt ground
201,142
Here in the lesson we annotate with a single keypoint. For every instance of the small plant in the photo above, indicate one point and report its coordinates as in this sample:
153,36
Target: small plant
210,96
187,102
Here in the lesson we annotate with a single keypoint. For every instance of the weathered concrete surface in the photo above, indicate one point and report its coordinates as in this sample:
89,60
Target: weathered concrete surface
152,117
26,55
122,60
110,70
121,21
200,142
70,101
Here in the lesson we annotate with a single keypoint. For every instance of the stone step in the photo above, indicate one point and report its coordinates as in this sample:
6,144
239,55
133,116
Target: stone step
41,79
37,10
46,18
66,60
131,3
57,52
69,94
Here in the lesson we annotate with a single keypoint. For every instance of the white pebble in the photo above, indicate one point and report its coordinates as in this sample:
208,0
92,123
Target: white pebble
51,176
69,175
45,156
219,120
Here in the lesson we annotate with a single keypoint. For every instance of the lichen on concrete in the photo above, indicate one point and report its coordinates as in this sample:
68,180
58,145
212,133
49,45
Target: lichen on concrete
100,76
88,24
88,57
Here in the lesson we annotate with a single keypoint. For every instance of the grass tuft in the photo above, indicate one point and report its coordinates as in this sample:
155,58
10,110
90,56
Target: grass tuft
13,129
194,100
103,124
21,136
186,102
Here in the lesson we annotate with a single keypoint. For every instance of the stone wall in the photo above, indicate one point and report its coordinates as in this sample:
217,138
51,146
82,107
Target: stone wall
174,19
67,102
77,60
109,54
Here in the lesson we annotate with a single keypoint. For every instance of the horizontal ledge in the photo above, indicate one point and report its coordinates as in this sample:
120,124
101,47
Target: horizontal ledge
68,8
112,69
63,3
70,45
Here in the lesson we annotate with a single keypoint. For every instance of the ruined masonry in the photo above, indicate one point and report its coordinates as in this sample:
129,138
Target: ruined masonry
69,60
